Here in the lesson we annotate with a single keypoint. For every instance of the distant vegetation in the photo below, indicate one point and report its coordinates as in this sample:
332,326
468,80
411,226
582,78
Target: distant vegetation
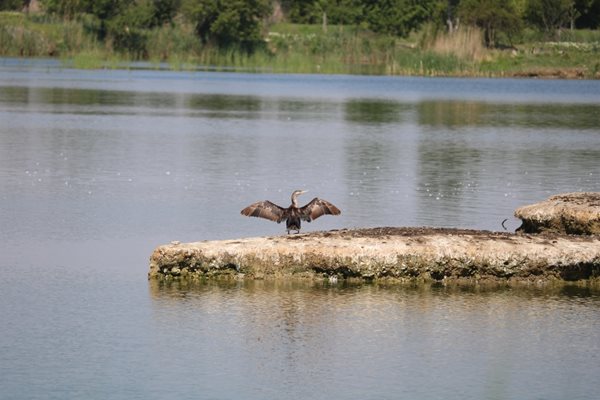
429,37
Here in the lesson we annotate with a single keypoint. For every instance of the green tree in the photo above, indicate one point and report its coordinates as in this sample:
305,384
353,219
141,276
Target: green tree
228,23
519,6
342,12
11,5
395,17
449,14
493,16
398,17
65,8
129,28
348,12
102,9
164,11
590,14
549,15
125,22
301,11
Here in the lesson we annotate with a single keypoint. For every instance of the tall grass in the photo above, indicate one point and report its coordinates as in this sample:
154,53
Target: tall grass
464,43
94,59
580,36
168,41
24,36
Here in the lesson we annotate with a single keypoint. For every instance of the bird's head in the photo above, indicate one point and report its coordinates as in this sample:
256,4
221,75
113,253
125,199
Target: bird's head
295,195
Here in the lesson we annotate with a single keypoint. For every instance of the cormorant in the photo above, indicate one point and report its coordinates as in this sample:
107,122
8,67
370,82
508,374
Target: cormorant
293,215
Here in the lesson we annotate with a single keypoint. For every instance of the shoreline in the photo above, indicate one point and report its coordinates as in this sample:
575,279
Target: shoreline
542,73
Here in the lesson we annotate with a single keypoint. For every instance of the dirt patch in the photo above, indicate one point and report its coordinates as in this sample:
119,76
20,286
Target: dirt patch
416,233
553,73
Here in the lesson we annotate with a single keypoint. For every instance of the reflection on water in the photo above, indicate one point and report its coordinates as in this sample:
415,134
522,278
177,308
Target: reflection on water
366,341
366,111
442,113
463,114
99,167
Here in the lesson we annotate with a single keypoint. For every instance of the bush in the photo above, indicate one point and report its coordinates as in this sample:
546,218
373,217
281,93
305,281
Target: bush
493,16
228,22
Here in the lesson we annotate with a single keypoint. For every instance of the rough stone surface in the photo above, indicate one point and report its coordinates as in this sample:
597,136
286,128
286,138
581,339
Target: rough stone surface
570,213
393,254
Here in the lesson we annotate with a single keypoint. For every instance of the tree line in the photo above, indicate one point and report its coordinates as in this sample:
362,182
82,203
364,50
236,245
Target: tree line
242,23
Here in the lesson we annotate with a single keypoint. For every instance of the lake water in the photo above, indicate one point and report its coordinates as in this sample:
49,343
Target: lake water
99,167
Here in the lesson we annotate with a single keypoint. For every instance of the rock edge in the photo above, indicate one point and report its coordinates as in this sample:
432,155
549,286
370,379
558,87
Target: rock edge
390,254
571,213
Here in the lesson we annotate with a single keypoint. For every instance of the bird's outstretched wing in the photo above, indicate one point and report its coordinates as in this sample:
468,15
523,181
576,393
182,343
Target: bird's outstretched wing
265,209
316,208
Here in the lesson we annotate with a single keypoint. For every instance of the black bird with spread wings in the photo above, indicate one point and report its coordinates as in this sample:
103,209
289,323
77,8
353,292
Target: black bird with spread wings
293,215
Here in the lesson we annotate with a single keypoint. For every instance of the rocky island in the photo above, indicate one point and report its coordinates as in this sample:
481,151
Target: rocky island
570,213
399,254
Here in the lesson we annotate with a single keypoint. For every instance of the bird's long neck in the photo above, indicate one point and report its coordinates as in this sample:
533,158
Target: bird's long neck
295,199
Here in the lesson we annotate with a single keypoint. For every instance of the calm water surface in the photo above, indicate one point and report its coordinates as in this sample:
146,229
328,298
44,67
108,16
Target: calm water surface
99,167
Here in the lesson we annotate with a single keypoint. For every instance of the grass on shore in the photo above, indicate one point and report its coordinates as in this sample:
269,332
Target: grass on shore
294,48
